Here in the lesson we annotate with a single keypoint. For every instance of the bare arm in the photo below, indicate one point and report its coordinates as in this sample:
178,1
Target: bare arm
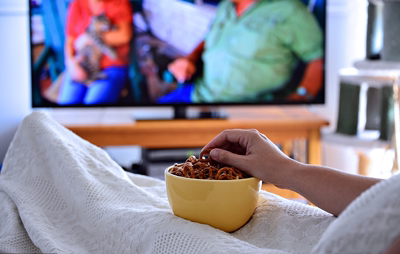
69,49
184,68
120,36
196,53
72,63
254,153
329,189
312,80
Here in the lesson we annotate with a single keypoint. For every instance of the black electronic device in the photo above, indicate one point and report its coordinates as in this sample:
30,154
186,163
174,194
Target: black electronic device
66,36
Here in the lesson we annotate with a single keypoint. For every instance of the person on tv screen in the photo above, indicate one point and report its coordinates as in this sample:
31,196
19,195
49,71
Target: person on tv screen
251,53
98,35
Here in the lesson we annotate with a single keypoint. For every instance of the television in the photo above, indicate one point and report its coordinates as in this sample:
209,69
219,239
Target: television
177,53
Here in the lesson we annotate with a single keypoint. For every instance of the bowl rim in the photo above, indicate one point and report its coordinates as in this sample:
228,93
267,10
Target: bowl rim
166,171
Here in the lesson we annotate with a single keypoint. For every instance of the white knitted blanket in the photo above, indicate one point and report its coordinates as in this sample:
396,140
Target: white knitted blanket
61,194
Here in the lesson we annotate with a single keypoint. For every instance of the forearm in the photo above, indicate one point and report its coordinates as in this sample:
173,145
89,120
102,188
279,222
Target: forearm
195,56
313,77
120,36
252,152
328,189
312,80
69,50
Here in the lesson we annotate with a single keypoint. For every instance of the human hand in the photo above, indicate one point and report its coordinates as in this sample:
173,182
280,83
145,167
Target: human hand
253,153
82,41
78,74
182,68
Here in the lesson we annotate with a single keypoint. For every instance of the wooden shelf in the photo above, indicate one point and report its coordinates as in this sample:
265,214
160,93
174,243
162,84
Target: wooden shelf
281,192
280,124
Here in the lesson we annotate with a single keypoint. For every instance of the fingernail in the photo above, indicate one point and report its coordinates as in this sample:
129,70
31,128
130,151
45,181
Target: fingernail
214,154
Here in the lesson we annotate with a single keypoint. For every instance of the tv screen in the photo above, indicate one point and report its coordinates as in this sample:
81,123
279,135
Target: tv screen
177,52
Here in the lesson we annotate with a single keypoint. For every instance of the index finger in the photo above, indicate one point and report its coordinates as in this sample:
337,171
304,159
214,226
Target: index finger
228,137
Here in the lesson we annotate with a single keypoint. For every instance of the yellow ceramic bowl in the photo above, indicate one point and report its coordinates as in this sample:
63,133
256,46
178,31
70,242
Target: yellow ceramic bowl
223,204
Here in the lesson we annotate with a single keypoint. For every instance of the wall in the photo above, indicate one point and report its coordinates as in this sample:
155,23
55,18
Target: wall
346,43
14,69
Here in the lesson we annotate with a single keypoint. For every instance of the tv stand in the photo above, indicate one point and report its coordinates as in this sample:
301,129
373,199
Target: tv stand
281,124
181,112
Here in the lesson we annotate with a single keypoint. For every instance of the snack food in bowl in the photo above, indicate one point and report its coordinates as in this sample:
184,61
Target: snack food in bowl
223,204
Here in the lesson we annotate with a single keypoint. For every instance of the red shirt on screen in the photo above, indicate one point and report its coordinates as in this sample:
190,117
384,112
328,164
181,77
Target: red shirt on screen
79,17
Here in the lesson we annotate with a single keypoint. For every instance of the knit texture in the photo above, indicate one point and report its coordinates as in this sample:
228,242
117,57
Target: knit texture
61,194
369,224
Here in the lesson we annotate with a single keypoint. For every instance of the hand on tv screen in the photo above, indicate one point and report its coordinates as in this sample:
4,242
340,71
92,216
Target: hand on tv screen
78,74
182,68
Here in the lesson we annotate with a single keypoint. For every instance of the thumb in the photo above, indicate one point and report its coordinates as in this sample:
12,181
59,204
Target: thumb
228,158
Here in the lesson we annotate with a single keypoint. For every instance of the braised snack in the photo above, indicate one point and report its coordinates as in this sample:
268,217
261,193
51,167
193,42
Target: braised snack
205,168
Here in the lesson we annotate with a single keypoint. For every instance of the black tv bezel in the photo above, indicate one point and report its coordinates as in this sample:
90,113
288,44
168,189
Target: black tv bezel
316,101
